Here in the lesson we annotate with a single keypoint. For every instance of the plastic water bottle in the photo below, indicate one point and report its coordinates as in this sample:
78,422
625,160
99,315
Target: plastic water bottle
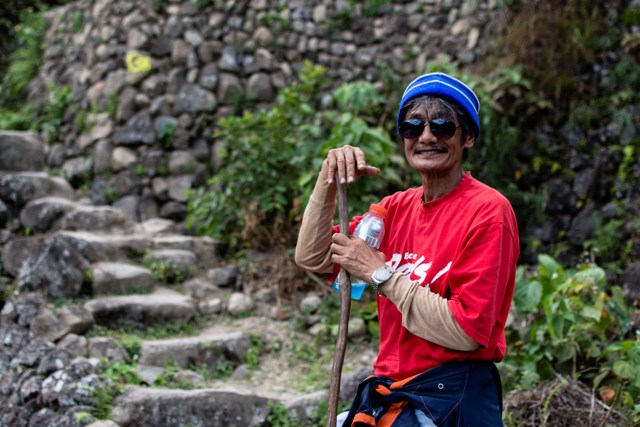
371,230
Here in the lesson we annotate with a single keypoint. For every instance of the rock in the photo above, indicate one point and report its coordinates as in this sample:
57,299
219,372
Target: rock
149,374
194,99
17,251
30,388
223,276
155,407
43,417
357,327
310,304
260,88
229,88
129,206
138,130
78,170
174,211
210,306
181,161
79,393
54,361
178,187
46,324
584,224
21,151
31,355
27,306
200,289
209,76
55,324
76,345
239,303
55,267
14,337
107,348
123,158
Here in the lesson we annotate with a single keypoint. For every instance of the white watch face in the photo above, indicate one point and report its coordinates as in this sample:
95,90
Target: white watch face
382,274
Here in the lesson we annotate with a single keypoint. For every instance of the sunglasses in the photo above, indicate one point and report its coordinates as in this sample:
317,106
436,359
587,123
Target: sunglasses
440,128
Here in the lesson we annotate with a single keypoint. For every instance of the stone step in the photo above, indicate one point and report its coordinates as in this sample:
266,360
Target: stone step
45,214
96,218
205,407
110,277
97,247
207,249
107,247
176,265
56,213
142,311
206,349
155,227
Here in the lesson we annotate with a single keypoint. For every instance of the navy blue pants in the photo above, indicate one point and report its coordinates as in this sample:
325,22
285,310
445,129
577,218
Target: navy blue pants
453,395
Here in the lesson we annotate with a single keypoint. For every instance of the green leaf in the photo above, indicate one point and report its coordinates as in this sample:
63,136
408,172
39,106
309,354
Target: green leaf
564,352
591,313
527,296
625,369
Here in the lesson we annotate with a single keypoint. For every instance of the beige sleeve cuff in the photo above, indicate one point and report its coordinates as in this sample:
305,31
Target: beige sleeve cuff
314,239
426,314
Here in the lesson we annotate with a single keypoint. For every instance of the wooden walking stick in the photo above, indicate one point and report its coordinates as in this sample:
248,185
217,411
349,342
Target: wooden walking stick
345,310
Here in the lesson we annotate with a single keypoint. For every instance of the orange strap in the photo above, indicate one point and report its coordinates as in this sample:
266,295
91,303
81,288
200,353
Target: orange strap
390,416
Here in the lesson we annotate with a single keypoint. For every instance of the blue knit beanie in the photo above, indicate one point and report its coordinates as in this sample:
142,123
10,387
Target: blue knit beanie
441,84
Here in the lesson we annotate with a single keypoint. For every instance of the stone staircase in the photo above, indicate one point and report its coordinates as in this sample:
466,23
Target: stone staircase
74,269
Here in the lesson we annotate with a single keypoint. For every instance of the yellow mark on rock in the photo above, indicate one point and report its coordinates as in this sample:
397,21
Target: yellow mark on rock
138,63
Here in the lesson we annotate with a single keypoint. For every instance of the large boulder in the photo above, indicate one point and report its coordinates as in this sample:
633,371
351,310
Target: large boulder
18,189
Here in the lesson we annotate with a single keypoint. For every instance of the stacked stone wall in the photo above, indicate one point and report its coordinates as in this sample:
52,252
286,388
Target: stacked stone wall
137,140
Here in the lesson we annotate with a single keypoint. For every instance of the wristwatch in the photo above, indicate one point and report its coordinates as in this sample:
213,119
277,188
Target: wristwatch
380,276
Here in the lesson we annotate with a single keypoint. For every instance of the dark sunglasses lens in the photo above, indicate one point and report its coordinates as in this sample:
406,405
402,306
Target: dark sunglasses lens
442,128
411,129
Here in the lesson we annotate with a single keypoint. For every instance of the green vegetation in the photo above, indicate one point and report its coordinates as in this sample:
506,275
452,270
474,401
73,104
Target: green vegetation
166,271
115,376
25,60
271,159
167,135
567,322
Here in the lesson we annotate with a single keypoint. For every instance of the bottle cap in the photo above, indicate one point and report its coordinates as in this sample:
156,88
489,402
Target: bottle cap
378,210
